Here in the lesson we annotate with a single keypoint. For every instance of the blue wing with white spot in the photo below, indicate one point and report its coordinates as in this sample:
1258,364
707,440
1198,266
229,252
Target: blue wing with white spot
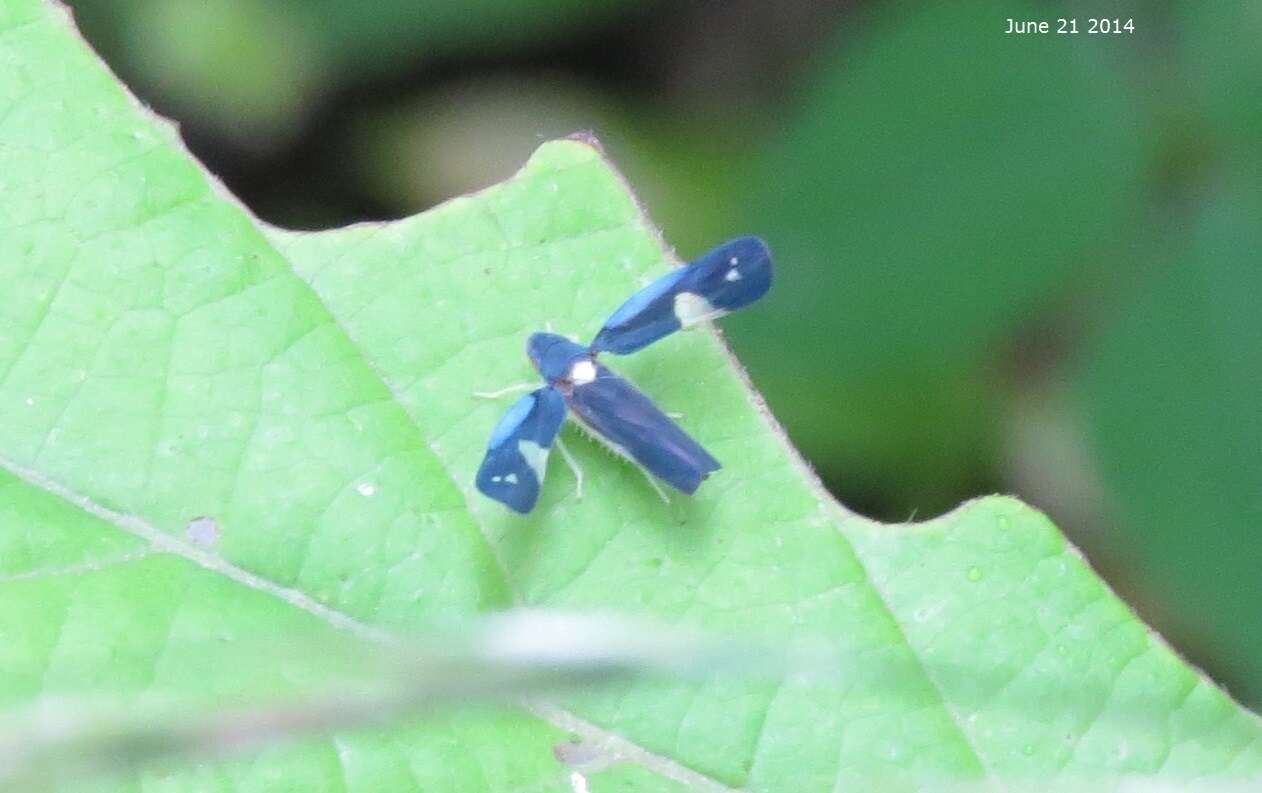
634,427
517,454
729,277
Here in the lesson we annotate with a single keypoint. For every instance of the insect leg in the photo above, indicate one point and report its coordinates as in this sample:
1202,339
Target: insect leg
578,472
653,482
512,389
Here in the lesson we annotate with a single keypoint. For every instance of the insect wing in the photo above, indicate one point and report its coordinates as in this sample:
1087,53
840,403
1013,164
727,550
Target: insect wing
729,277
517,454
633,426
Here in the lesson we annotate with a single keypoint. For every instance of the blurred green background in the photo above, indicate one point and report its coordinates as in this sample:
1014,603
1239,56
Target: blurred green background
1029,264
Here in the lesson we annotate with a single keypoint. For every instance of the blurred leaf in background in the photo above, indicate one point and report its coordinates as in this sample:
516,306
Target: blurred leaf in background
1222,67
1172,389
252,69
939,185
470,134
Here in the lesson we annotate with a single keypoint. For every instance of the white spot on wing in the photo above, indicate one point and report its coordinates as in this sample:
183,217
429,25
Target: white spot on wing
367,489
583,372
691,309
536,457
732,261
732,275
511,479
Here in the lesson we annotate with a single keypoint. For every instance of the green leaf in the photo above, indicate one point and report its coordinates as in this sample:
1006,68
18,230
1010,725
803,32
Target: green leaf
216,431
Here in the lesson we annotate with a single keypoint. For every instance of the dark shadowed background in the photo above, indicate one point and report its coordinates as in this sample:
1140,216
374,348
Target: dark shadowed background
1029,264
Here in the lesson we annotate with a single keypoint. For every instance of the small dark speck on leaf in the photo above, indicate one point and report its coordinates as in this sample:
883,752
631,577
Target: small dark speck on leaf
203,531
